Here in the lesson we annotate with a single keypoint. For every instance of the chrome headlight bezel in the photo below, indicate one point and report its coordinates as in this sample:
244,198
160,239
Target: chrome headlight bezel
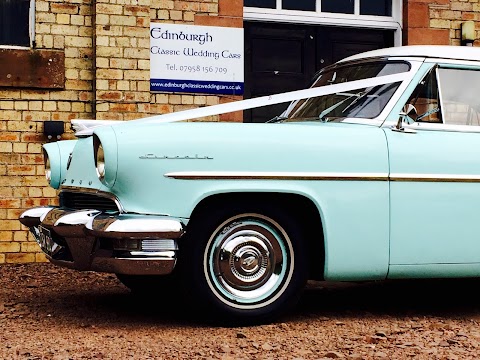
99,157
48,167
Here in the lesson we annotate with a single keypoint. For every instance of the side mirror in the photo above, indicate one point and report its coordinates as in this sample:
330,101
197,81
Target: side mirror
410,111
408,115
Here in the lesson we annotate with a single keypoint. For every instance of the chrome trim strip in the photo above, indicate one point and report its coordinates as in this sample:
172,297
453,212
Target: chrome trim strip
246,175
460,178
34,216
137,227
231,175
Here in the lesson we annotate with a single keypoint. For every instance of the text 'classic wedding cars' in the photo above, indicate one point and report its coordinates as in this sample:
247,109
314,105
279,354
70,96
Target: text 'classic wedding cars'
372,173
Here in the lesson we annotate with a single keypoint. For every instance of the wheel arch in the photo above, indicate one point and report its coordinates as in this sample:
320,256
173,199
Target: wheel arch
298,206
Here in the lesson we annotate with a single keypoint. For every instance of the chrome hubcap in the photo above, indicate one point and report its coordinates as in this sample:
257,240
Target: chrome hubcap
247,260
244,261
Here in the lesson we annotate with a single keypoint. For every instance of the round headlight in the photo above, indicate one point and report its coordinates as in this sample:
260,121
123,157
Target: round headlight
100,160
48,168
105,156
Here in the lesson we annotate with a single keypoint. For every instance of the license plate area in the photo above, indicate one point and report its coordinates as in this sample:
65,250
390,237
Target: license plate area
46,241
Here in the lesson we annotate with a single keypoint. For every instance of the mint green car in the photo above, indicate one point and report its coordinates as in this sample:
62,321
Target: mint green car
372,173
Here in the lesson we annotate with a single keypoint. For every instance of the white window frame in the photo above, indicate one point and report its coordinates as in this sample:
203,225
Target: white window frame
31,30
318,17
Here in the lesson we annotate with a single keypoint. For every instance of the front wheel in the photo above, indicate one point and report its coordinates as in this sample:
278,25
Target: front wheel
247,264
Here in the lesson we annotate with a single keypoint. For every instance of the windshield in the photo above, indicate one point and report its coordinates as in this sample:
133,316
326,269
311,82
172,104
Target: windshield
361,103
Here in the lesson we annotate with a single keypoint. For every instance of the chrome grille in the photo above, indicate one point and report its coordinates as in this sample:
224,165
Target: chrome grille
80,201
159,245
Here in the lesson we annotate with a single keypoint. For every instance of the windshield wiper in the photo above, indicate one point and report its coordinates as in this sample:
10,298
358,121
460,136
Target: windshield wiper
334,106
277,119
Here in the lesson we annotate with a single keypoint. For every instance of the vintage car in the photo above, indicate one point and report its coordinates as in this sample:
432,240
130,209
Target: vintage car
372,173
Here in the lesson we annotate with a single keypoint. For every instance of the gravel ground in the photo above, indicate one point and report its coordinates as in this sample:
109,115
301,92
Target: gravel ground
48,312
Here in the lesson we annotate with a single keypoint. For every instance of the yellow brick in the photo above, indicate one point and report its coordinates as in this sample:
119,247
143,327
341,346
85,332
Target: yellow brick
63,19
13,214
34,148
187,99
19,148
6,105
35,105
20,258
123,20
21,236
6,235
40,257
77,19
163,15
9,247
58,42
6,147
2,258
11,225
440,24
62,29
64,106
175,99
78,107
48,41
30,247
71,74
49,192
21,105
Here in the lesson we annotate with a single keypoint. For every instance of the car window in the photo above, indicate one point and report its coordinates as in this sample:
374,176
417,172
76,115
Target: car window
459,89
362,103
447,96
426,100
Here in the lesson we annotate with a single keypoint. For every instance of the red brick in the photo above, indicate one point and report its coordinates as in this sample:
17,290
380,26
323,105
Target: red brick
230,8
418,16
9,203
64,8
223,21
422,36
236,116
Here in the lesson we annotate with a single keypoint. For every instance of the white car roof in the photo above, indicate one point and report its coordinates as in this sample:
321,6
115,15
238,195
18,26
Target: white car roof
424,51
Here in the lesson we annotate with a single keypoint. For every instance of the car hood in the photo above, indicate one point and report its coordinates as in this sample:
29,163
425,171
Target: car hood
145,160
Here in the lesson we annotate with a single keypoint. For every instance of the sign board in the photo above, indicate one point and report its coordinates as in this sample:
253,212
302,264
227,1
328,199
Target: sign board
196,59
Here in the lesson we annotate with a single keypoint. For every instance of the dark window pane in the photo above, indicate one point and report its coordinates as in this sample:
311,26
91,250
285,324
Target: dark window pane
338,6
306,5
266,55
14,18
269,4
376,7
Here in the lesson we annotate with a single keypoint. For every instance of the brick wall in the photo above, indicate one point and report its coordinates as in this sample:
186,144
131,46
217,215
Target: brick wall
106,48
438,22
59,26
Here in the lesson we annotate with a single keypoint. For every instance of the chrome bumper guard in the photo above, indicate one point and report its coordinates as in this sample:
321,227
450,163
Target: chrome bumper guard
92,240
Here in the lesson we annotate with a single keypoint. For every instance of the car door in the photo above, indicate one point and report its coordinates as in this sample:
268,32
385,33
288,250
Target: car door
435,178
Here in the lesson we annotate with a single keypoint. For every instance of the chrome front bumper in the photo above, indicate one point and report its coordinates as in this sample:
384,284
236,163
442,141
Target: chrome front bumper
92,240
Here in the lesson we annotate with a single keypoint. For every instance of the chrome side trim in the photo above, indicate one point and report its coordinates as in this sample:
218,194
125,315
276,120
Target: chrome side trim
460,178
246,175
232,175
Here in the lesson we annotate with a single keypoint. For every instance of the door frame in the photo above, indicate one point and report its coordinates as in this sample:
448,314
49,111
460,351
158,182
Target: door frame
393,22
